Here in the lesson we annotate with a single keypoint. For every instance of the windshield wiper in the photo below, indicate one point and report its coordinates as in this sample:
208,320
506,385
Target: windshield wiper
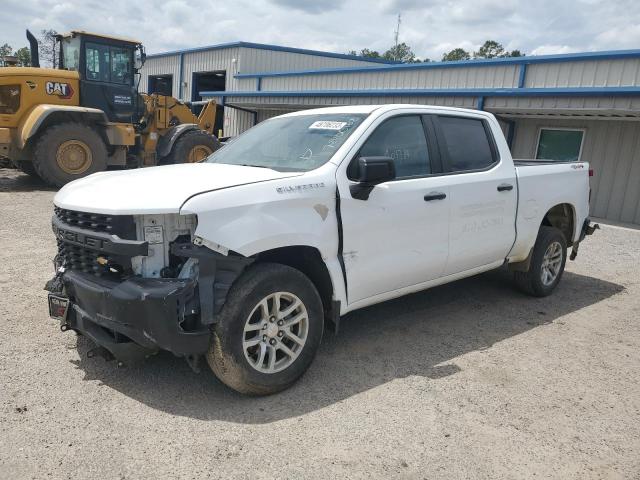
249,165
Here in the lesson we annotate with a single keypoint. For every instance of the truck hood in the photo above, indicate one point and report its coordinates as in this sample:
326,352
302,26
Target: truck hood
156,189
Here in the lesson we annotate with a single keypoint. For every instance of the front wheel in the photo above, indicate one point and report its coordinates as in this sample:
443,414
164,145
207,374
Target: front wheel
68,151
547,263
269,331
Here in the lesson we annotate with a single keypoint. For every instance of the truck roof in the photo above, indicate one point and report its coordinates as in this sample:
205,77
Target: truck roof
367,109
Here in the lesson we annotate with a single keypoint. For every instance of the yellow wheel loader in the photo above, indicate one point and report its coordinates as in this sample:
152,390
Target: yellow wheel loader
63,124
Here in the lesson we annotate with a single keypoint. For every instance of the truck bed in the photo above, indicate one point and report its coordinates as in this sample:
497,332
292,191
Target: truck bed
543,184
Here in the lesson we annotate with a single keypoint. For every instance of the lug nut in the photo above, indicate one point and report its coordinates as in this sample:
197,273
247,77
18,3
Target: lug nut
280,333
264,338
280,323
264,327
272,319
272,341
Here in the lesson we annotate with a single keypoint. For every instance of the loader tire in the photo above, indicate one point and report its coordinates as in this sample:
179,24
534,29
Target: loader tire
192,147
69,151
28,168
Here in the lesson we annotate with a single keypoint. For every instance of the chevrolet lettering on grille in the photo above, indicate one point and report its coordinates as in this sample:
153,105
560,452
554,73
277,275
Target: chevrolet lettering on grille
81,239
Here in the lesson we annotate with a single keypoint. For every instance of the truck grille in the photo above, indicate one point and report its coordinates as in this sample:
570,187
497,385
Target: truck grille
83,259
121,225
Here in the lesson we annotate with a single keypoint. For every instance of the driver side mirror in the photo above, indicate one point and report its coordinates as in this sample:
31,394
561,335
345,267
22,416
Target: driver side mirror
371,172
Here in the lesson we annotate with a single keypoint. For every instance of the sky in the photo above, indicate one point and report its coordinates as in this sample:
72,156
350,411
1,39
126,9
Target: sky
430,27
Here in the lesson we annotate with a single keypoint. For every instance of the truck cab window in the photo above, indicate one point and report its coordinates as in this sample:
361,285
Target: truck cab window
467,143
401,138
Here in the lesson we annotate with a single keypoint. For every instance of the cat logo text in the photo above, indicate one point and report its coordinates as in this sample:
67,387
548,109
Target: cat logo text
62,90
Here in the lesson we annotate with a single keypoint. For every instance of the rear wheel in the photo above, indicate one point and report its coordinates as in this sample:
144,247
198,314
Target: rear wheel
192,147
67,152
269,330
547,263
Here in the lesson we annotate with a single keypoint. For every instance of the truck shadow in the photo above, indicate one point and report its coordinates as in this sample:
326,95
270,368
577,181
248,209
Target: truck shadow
12,180
417,335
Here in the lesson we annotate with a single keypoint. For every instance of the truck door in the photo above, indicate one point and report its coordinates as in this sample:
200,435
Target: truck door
398,236
483,193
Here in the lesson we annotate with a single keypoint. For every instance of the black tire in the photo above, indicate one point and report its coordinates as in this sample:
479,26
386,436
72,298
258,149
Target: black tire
28,168
226,355
46,149
530,282
182,148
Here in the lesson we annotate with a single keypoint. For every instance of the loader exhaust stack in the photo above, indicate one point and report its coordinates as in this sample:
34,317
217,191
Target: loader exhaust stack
33,47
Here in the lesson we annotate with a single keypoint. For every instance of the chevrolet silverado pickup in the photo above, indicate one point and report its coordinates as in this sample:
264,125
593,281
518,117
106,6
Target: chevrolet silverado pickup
244,258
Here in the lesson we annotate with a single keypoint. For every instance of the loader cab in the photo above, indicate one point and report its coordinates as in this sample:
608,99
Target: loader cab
107,67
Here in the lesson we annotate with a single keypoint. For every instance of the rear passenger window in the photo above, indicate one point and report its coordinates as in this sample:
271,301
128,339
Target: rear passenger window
466,143
401,138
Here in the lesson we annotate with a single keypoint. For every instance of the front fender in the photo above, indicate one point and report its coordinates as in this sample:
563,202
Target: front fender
254,218
34,120
165,144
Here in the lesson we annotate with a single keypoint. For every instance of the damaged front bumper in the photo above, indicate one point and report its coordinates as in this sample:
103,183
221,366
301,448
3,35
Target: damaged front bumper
134,318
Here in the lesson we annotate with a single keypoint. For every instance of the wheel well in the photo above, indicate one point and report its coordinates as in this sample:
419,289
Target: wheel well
309,261
60,117
561,217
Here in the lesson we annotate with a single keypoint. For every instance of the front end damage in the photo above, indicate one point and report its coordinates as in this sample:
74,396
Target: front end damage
135,285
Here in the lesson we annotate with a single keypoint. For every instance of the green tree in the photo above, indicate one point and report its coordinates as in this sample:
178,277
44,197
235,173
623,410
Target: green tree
515,53
401,53
493,49
5,50
455,55
490,49
365,52
24,56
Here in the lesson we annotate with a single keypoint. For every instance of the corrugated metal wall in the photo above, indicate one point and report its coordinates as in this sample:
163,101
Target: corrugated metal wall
161,66
254,60
502,76
558,104
600,73
613,150
247,60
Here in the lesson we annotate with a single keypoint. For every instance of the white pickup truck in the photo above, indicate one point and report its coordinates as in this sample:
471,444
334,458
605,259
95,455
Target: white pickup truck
303,218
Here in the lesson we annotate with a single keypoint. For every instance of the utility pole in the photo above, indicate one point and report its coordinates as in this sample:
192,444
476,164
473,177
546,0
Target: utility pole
396,35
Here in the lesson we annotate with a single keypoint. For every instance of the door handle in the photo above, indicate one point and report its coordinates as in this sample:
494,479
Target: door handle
505,187
435,196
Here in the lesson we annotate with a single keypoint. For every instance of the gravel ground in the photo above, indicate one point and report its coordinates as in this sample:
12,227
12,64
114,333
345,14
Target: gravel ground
468,380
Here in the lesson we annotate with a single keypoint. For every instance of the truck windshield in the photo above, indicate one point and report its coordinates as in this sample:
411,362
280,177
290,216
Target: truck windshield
298,143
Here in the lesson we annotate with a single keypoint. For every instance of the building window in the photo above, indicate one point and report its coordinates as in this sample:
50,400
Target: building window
561,144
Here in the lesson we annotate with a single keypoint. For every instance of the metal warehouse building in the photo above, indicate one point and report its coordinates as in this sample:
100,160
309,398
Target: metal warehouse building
579,106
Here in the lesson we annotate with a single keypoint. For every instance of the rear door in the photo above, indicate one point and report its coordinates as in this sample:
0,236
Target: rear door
398,236
483,193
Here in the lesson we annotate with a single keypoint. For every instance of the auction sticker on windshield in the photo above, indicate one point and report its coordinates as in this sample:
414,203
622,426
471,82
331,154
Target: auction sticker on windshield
327,125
